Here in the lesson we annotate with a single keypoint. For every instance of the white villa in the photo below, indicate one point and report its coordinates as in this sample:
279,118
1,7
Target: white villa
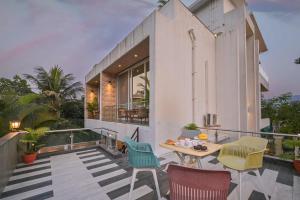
177,66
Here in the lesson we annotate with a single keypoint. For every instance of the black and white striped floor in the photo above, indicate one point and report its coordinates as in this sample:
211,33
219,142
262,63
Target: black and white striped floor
92,174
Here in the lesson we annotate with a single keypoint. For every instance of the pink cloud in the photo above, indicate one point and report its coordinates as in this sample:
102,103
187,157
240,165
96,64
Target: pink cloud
26,47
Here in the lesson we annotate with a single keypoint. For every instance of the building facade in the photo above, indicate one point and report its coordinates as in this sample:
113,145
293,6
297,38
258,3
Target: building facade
175,67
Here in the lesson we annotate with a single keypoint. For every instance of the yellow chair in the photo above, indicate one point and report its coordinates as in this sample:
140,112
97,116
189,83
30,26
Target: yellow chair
244,155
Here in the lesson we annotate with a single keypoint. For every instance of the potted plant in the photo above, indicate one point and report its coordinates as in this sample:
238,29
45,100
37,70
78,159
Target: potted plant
31,140
190,130
92,107
296,162
293,145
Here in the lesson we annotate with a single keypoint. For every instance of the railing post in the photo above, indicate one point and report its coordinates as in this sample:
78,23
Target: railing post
216,136
278,145
72,142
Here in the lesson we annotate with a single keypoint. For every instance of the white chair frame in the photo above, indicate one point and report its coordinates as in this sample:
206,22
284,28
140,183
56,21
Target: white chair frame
134,173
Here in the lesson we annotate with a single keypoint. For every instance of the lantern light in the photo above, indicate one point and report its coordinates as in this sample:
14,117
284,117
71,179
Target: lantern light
15,125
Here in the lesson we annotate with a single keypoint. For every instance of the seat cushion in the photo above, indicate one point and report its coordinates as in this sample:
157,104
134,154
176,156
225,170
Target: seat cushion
233,162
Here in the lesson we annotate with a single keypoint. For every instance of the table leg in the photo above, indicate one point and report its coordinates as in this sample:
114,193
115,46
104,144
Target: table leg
181,157
199,162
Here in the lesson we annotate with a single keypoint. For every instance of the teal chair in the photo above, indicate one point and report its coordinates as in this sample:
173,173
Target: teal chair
141,158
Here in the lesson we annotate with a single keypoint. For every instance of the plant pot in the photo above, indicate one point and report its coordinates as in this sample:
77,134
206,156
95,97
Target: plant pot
297,165
29,158
189,133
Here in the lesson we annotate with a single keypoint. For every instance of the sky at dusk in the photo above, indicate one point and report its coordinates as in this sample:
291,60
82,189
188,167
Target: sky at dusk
77,34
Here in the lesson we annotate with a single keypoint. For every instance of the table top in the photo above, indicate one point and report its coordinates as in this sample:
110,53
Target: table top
211,148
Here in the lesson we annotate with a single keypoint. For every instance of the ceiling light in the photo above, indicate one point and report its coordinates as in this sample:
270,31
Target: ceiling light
135,55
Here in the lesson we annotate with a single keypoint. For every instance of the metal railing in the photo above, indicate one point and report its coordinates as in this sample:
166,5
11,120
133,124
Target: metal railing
71,139
280,145
134,113
135,137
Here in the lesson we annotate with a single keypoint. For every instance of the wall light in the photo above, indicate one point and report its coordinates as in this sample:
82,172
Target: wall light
135,55
15,125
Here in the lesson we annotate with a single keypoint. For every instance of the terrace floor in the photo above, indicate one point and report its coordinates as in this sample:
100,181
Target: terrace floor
93,174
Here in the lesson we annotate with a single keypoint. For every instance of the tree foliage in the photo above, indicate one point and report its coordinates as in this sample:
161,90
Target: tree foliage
284,114
73,109
29,109
56,86
16,86
56,94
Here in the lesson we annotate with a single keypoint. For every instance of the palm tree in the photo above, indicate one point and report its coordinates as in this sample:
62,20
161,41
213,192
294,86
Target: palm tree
161,3
28,109
297,61
55,86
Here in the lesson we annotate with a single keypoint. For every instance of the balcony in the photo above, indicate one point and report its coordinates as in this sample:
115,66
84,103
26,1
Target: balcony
263,79
135,113
80,167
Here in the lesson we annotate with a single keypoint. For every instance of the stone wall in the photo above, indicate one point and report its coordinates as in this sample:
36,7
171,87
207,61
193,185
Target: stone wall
8,156
108,96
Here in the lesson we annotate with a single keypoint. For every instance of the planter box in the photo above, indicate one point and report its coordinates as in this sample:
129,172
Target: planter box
189,133
297,165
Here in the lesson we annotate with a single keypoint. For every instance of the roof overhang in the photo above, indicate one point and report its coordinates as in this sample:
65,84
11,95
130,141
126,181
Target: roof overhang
258,35
194,7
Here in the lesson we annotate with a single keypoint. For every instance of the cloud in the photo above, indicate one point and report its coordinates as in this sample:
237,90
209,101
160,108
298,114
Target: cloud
75,34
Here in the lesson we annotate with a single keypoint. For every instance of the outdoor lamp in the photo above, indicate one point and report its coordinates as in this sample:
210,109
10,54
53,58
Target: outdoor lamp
15,125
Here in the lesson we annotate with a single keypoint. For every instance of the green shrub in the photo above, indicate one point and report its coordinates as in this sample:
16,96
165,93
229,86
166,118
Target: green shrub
290,144
287,156
191,126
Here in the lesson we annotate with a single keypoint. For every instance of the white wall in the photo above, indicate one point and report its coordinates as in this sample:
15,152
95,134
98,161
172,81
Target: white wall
142,31
251,84
212,14
231,72
228,6
173,71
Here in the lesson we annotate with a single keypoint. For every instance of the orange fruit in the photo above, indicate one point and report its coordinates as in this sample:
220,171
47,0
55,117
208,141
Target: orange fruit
203,136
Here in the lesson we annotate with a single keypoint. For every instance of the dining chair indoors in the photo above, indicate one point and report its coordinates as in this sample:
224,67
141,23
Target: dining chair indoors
244,155
142,158
197,184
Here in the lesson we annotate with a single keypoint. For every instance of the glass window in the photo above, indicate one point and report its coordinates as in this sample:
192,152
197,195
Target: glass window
134,87
138,84
123,90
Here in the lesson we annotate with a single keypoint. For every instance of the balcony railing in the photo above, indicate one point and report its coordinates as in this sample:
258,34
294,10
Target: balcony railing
72,139
263,73
280,145
135,113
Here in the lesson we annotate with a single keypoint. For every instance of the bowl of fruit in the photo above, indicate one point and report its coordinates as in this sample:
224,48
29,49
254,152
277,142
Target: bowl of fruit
200,148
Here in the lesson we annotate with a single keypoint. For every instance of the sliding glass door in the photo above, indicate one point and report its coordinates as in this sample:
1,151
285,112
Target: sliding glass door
138,85
134,87
123,96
